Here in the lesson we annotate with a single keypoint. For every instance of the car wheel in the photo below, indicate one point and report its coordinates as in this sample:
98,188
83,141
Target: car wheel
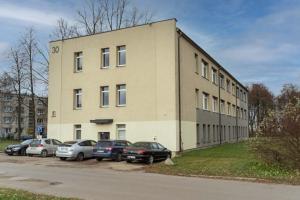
118,157
80,157
44,153
99,159
129,161
150,160
62,158
23,152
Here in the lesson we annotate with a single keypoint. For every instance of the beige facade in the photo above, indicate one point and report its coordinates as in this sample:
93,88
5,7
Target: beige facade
143,68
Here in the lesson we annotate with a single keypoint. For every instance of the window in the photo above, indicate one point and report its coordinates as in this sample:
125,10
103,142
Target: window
7,130
222,84
121,55
197,98
77,132
228,108
78,61
214,76
245,114
7,109
222,105
214,133
56,142
7,97
104,96
40,102
196,64
121,95
40,121
205,101
7,120
77,98
105,58
121,131
237,92
198,134
215,104
40,111
208,133
228,89
233,89
103,135
245,97
204,133
204,69
233,110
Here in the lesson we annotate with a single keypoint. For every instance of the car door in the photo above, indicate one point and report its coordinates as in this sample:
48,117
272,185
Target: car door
89,146
55,144
155,151
48,146
164,153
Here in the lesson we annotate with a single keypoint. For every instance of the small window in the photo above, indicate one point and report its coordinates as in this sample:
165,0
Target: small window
121,131
215,104
56,142
222,84
154,146
222,105
48,141
228,85
214,76
228,108
105,58
77,130
196,64
77,98
204,133
197,98
78,61
204,69
233,89
104,98
104,135
205,101
121,95
121,55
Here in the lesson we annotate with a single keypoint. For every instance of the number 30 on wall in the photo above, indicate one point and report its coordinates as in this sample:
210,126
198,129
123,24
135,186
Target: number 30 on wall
55,49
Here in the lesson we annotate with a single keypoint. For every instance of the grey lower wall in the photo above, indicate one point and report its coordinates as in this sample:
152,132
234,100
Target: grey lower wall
210,133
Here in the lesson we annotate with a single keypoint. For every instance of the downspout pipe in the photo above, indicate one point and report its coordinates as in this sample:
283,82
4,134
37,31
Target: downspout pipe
179,90
220,121
236,114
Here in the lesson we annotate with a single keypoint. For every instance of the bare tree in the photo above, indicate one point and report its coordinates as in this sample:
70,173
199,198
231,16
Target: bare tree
64,30
29,44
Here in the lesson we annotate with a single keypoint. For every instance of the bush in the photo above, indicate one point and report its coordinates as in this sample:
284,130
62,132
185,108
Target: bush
278,140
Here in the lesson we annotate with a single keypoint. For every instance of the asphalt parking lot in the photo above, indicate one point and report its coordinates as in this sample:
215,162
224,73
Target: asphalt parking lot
56,162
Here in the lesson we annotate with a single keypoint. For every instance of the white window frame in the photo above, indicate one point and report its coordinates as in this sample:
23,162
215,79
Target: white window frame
77,128
214,104
204,69
103,58
222,81
228,108
78,56
77,95
205,101
197,63
102,91
118,55
121,127
118,95
214,76
222,106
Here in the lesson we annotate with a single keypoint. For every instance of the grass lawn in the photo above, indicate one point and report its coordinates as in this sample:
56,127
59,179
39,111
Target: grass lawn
4,143
229,160
12,194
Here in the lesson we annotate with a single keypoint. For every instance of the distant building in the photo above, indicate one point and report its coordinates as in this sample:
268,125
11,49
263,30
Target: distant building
144,83
9,115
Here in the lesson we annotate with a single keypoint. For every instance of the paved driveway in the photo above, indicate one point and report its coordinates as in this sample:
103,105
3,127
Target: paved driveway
92,180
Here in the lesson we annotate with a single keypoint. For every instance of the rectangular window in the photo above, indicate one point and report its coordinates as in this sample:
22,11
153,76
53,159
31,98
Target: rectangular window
233,110
104,98
198,134
228,86
228,108
205,101
77,98
215,104
7,97
103,135
208,133
237,92
7,120
197,98
214,76
7,109
121,55
78,61
196,64
105,58
233,89
77,132
121,95
222,105
204,69
121,131
40,111
222,84
204,133
214,133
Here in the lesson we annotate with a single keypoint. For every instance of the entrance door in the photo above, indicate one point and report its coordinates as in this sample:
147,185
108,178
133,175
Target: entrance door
104,135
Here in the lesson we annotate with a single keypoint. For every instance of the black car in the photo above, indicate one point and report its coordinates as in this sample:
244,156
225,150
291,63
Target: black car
112,149
18,149
147,152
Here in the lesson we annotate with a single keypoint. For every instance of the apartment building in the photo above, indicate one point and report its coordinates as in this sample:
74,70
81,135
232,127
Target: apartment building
144,83
9,119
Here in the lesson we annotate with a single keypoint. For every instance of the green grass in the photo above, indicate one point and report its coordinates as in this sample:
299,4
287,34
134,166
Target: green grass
5,142
229,160
12,194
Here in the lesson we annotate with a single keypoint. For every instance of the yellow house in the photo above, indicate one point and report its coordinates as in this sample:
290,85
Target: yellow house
144,83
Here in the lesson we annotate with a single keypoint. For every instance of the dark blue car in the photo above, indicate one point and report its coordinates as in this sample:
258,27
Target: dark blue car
111,149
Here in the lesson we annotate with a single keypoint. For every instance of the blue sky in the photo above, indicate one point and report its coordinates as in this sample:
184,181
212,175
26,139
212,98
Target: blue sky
257,41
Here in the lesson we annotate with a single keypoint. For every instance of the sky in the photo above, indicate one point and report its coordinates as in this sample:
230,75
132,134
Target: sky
257,41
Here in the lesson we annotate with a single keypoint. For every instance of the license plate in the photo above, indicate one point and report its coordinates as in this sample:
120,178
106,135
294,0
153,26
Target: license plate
100,151
131,157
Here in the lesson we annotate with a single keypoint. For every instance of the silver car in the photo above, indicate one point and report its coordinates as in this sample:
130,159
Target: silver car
77,149
43,147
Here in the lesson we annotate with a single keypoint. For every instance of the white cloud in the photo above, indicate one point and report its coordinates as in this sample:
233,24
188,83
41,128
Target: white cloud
29,15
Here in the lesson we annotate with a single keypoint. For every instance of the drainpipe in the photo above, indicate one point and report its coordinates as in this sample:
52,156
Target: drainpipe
236,115
179,91
220,122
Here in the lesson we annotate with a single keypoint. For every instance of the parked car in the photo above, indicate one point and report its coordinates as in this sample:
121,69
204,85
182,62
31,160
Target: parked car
146,151
112,149
18,149
77,149
43,147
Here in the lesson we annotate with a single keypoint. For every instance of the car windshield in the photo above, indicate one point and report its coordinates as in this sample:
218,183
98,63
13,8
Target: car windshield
26,142
104,144
35,143
145,145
